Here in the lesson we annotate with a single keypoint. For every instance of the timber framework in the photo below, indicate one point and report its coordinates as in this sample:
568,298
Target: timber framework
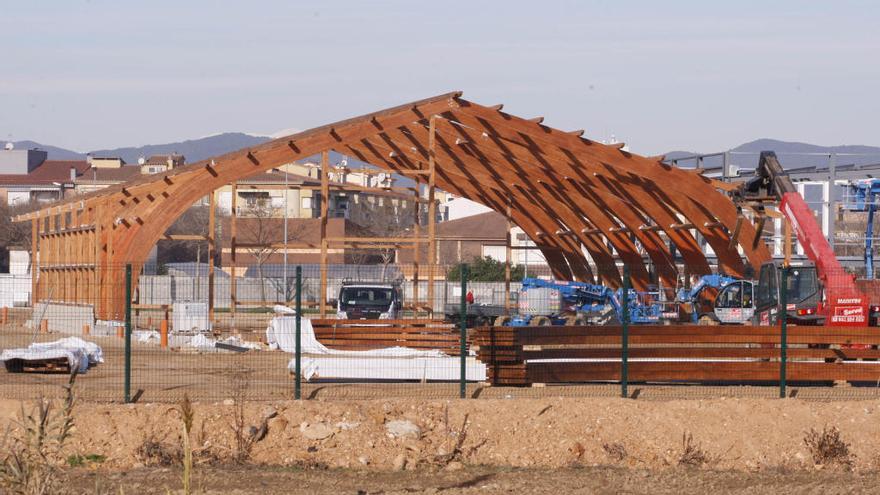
586,205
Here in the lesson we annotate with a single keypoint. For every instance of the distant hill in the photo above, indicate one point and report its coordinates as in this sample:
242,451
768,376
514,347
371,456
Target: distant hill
194,149
745,156
791,154
55,153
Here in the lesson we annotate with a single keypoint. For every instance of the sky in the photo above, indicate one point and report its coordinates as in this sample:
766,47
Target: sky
672,75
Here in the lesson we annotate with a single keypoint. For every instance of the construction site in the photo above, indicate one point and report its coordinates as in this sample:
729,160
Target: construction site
659,284
406,293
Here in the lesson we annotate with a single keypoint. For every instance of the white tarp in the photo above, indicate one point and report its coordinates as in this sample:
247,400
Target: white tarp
79,353
146,336
391,363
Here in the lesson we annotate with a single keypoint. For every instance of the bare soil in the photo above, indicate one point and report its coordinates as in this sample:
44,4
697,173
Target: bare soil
730,434
473,480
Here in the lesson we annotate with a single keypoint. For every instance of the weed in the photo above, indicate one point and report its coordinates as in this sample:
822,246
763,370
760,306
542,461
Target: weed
244,434
692,453
79,460
827,447
153,451
187,414
32,454
616,451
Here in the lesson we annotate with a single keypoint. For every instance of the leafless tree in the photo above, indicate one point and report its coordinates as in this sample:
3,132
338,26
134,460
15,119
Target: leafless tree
387,217
194,221
262,229
14,234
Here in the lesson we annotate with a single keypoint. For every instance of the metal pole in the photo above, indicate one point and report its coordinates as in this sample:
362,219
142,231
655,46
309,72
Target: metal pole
297,389
783,330
286,194
127,333
831,207
462,386
624,336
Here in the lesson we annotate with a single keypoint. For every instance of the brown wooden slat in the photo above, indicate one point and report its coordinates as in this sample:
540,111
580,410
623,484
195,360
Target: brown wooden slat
693,352
702,371
412,322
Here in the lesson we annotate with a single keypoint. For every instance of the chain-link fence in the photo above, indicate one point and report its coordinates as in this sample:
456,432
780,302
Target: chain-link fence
374,331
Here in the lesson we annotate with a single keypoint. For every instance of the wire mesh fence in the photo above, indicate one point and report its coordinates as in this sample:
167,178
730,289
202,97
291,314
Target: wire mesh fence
441,332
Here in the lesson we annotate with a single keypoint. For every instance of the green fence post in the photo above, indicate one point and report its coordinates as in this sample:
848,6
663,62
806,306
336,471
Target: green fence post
297,387
783,330
127,333
624,335
462,385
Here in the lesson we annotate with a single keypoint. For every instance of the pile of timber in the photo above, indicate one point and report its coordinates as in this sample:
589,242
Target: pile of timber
361,335
677,353
48,365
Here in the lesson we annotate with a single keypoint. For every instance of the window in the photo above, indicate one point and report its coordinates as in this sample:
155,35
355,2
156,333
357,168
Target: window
498,253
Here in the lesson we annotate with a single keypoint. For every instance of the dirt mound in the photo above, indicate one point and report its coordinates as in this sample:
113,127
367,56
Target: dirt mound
739,434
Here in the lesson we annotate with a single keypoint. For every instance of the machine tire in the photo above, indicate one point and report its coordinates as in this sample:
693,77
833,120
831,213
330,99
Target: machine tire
575,321
502,321
540,321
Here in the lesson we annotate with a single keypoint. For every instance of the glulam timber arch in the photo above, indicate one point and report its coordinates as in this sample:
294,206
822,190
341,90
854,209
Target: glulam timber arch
586,205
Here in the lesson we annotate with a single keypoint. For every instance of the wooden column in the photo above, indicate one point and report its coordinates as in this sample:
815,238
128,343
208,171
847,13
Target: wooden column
35,232
212,252
417,248
99,261
325,206
232,240
432,214
508,255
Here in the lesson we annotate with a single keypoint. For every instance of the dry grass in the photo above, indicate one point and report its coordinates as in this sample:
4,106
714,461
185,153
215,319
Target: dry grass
187,414
154,451
32,454
243,434
692,453
616,451
828,448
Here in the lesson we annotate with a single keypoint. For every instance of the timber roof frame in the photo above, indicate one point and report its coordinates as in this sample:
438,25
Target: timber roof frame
585,204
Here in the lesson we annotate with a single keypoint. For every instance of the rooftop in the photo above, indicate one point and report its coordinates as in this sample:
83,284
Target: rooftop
49,172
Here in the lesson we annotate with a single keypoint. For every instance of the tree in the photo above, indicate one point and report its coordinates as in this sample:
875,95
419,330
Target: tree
385,217
194,221
486,269
13,234
261,230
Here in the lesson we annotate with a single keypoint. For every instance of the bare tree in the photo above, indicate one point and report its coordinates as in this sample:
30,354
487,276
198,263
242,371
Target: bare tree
386,217
262,229
259,232
194,221
14,234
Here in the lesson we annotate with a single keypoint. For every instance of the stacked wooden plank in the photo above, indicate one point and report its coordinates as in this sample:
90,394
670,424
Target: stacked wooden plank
525,355
359,335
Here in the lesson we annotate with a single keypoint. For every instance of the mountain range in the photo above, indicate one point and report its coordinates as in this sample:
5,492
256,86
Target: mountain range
791,154
193,149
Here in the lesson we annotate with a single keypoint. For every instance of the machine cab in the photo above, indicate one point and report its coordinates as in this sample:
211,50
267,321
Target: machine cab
802,289
735,303
366,301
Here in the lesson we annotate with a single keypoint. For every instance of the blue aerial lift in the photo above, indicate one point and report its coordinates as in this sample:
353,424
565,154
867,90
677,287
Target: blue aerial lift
549,302
865,193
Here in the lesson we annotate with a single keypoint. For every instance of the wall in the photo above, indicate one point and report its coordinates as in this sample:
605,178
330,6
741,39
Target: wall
20,161
167,289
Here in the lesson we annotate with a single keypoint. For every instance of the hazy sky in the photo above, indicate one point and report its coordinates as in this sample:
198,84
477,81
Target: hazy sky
660,75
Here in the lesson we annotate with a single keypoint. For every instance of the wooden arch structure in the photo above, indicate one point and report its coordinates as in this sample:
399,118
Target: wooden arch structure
584,204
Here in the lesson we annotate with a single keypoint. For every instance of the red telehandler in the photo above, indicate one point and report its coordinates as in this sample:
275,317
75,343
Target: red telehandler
842,303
